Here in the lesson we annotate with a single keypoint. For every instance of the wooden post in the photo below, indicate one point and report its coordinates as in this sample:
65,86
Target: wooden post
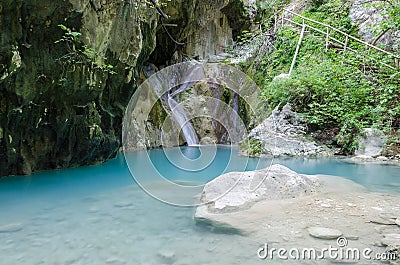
345,43
297,48
327,39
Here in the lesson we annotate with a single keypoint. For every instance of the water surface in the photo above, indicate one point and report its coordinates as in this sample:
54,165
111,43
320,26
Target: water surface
98,215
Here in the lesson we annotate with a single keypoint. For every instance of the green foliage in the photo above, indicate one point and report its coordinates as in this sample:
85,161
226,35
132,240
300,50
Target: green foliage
252,146
80,54
160,3
247,36
333,90
267,11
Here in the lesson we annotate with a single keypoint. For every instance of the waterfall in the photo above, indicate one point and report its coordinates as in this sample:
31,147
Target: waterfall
187,76
184,123
177,111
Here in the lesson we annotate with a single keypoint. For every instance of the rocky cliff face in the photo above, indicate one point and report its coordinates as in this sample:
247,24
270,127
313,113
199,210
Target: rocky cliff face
206,27
368,16
64,89
60,104
283,133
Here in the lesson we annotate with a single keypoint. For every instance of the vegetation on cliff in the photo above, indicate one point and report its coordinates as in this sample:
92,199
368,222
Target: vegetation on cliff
337,92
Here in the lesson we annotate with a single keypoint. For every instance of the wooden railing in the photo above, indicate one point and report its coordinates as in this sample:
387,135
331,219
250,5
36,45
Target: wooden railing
331,38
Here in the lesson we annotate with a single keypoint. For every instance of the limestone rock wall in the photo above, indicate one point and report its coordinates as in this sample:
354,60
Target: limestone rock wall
368,16
207,28
59,105
62,102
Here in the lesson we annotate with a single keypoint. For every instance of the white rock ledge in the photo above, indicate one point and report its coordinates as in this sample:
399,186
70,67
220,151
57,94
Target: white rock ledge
291,210
240,190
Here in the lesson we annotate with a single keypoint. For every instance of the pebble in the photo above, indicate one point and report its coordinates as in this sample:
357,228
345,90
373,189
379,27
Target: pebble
11,228
352,237
324,233
115,260
167,256
325,205
93,210
94,220
123,204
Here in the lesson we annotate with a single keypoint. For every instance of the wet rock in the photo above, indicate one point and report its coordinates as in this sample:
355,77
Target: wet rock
204,218
15,227
324,232
362,158
382,158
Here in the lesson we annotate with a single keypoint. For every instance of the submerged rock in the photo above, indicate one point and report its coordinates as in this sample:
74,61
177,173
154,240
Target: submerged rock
11,228
284,133
324,233
167,256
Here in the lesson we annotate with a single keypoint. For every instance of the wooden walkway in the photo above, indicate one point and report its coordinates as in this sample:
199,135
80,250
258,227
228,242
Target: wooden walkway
334,37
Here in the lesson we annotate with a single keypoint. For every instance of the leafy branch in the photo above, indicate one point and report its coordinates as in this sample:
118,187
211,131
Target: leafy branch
79,53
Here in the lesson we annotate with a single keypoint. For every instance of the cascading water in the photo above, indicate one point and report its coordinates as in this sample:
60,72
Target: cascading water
178,112
181,118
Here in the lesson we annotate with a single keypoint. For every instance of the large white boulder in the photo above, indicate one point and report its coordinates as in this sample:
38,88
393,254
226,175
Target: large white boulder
240,190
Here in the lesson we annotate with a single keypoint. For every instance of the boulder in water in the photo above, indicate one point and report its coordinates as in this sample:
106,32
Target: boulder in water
240,190
11,228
